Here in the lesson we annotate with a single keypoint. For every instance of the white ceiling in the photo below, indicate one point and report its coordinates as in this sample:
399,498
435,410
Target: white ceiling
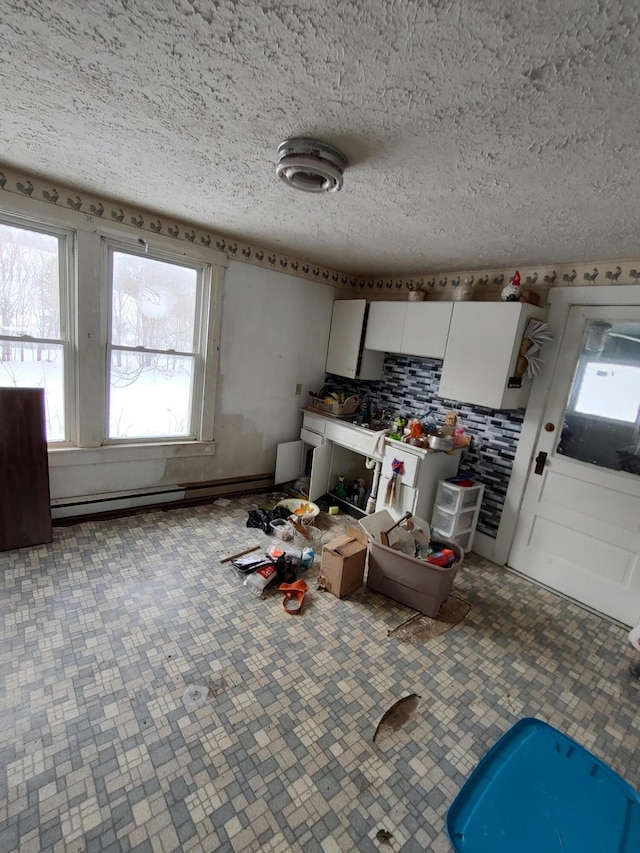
479,134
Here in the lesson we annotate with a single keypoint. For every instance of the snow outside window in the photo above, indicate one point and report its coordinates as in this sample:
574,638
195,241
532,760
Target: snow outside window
609,390
155,346
35,318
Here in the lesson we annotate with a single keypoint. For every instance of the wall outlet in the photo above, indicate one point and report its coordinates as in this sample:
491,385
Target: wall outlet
298,389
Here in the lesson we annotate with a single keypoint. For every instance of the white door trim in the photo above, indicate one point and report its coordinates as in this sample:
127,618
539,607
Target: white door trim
561,300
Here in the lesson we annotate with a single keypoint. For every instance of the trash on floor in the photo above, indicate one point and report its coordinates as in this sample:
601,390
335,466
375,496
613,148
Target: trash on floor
398,715
293,595
258,581
222,502
384,836
195,696
262,518
239,554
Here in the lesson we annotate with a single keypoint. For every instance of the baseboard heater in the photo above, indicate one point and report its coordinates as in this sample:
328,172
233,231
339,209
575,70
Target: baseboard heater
172,497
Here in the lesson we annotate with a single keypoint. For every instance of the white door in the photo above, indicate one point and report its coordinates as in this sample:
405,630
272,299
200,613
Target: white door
579,526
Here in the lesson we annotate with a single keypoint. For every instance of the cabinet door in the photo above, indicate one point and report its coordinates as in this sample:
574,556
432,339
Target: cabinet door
385,326
426,328
320,471
288,461
405,502
482,348
347,323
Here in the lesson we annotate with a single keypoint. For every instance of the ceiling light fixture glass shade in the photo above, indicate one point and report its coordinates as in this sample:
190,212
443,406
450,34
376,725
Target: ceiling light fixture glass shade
310,165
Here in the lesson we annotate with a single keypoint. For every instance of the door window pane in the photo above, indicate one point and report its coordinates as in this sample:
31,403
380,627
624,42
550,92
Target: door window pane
29,365
153,303
150,395
602,417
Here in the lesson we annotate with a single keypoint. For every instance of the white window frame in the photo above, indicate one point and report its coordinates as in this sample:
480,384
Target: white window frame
86,318
67,307
202,322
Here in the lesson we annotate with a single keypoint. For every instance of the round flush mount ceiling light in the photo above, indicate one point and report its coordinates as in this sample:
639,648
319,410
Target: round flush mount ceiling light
310,165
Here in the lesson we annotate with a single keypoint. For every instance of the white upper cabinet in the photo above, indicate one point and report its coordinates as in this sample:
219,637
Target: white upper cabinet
426,328
482,351
385,326
346,355
409,328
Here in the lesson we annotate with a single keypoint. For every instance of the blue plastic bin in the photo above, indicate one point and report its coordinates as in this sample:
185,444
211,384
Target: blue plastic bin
538,791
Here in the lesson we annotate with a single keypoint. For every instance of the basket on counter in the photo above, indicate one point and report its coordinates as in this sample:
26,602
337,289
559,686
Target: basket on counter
333,407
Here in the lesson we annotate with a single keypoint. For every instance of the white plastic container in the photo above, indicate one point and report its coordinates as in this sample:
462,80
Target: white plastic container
281,529
450,496
456,511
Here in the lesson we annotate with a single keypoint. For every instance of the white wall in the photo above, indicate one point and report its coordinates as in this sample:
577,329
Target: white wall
275,330
274,335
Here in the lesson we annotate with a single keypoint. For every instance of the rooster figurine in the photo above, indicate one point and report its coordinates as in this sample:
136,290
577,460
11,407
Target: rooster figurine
511,292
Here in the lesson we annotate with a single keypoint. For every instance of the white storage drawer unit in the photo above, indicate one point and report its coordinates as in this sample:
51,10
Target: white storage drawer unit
452,497
449,523
456,511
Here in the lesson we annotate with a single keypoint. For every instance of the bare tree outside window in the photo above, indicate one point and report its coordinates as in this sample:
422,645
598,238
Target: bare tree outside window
154,325
32,347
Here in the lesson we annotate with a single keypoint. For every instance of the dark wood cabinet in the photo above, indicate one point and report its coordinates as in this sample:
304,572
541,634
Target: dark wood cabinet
25,505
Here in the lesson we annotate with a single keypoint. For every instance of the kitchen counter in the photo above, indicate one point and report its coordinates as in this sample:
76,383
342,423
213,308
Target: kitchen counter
344,424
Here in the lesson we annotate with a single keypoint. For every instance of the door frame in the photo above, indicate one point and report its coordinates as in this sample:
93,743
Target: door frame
561,300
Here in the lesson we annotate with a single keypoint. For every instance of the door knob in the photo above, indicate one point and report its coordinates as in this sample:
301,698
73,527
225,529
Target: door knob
541,458
549,427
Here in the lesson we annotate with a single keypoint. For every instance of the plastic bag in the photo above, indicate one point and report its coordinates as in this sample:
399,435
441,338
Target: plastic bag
262,518
258,581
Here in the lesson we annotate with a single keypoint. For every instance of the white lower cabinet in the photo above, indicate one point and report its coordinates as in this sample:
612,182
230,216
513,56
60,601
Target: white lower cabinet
294,459
329,449
422,470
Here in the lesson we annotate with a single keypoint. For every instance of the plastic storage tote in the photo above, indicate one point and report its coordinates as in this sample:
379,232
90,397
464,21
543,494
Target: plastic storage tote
416,583
538,791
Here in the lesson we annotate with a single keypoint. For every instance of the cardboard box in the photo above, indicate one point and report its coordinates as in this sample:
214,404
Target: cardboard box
343,562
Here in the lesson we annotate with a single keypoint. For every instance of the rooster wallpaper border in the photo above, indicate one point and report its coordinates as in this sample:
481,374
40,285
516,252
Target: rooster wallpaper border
485,284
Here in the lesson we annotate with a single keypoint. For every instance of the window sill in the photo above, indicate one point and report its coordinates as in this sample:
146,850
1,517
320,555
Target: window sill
61,456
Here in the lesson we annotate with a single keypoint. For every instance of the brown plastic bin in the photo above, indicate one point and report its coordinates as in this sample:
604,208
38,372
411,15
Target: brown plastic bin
420,585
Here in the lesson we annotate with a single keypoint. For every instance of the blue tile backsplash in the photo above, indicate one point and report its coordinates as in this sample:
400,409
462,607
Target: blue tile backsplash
409,386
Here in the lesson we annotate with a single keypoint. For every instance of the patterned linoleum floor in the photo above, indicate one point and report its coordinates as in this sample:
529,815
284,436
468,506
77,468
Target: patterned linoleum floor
103,630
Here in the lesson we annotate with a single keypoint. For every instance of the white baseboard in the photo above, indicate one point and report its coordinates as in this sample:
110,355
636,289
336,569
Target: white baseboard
83,505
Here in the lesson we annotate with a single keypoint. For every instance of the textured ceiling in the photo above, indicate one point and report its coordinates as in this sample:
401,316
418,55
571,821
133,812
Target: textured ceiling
479,134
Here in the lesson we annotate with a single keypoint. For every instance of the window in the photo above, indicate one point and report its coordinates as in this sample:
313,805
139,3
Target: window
121,333
609,390
155,358
35,318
